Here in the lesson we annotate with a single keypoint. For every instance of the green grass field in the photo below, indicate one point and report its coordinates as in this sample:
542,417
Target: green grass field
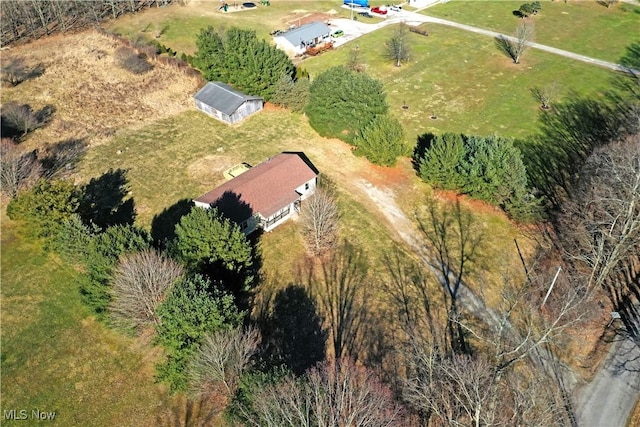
585,27
56,358
465,81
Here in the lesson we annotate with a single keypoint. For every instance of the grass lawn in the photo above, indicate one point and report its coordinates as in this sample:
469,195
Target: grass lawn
465,81
56,358
179,25
584,27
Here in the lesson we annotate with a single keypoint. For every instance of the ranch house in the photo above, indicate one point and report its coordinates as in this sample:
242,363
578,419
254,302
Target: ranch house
295,42
266,195
219,100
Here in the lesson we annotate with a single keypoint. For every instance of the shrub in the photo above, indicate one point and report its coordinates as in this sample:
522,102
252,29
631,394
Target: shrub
342,102
129,60
292,94
381,141
103,252
20,119
488,168
191,310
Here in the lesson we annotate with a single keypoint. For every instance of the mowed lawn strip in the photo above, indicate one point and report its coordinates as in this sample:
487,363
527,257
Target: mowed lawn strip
57,358
585,27
464,81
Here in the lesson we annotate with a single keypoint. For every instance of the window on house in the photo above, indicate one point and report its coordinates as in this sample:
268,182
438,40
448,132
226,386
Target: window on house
306,186
244,225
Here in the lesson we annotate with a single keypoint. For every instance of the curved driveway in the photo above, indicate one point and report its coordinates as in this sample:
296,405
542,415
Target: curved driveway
355,29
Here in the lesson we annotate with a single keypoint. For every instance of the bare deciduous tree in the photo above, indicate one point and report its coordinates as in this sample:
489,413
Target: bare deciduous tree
545,95
18,169
341,290
465,390
516,46
398,46
139,285
320,222
329,395
600,226
222,359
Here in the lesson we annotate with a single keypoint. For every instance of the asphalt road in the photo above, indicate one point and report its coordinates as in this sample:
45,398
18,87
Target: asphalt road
609,399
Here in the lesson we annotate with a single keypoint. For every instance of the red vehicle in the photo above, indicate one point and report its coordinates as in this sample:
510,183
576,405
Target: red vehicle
379,10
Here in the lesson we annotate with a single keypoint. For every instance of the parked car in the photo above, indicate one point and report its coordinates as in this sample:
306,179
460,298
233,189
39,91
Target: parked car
379,10
365,14
337,33
396,8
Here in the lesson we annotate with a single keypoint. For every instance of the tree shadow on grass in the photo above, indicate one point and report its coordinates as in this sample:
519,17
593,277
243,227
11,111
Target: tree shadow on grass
103,200
163,225
568,135
292,330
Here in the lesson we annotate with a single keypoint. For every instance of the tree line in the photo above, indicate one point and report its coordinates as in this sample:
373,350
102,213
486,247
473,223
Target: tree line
34,19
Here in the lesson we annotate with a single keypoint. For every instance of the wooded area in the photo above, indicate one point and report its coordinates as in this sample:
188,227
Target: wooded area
36,18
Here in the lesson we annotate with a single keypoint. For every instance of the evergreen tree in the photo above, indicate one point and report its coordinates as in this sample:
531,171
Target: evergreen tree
210,57
381,141
103,252
442,159
209,243
45,207
342,102
191,310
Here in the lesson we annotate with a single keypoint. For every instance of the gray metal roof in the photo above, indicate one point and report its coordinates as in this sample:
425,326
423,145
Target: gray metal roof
307,33
222,97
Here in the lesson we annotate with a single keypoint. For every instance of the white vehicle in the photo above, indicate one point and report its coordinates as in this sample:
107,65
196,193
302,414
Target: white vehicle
396,8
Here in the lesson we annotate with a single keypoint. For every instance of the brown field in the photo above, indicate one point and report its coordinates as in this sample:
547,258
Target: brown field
94,99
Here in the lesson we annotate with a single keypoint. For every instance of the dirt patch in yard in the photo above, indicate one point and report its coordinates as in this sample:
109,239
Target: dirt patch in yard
302,18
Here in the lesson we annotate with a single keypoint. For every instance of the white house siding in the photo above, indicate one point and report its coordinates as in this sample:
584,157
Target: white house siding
284,217
307,189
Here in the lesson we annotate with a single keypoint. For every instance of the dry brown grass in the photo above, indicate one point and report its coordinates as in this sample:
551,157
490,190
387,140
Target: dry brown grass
94,98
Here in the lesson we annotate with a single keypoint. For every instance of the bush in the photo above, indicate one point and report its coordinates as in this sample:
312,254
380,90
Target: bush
103,252
45,207
487,168
20,119
342,102
381,141
192,309
129,60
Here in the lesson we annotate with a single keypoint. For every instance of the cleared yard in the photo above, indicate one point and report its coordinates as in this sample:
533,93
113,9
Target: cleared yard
585,27
463,80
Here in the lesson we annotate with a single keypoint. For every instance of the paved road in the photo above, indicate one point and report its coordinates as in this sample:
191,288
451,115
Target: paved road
355,29
609,399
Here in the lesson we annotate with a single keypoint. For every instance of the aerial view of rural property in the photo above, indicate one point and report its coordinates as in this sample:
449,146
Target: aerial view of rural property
332,213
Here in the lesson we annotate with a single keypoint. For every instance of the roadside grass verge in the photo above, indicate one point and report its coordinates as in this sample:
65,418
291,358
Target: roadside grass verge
585,27
464,81
57,358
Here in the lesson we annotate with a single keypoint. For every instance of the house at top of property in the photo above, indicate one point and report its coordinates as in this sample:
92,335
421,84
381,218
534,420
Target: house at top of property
266,195
219,100
295,42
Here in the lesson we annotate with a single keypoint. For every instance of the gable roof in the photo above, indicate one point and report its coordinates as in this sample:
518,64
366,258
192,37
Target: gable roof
306,33
264,189
222,97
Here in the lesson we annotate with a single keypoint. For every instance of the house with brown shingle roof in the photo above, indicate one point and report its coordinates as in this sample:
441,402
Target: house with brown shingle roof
266,195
